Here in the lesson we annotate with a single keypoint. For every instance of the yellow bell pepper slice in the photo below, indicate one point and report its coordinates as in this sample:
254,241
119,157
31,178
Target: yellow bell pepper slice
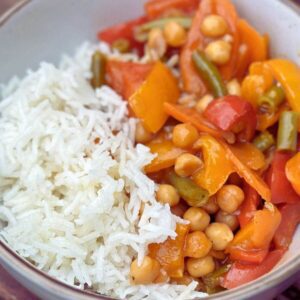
288,74
148,101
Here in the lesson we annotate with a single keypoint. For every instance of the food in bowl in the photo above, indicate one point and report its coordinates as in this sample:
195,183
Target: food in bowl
160,163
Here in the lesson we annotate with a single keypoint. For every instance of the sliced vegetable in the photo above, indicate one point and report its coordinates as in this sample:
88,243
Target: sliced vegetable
232,113
210,74
264,141
166,156
185,22
192,194
123,31
126,77
188,115
288,74
148,101
241,273
249,256
170,254
192,82
250,176
212,281
281,189
157,8
217,167
249,206
98,69
288,131
259,232
290,214
272,99
249,155
256,43
292,171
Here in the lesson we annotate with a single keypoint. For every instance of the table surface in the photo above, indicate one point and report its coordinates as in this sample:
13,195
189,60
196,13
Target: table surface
10,289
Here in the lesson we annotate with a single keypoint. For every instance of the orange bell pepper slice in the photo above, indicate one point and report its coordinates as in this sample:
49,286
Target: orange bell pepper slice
292,171
157,8
288,74
170,254
257,43
251,256
166,155
264,121
148,101
249,155
259,232
190,115
250,176
217,167
196,40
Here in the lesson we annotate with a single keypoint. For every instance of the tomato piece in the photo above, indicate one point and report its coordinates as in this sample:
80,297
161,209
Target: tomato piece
123,31
157,8
281,189
232,113
249,206
250,256
126,77
292,171
170,254
241,273
290,219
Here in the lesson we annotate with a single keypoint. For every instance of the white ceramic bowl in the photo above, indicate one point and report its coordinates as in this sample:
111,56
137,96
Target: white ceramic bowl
44,29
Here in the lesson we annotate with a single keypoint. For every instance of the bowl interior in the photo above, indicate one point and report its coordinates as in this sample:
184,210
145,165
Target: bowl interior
44,30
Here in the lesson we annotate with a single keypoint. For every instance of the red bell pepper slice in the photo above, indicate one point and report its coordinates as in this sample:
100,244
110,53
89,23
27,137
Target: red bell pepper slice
232,113
281,189
290,214
249,206
241,273
123,31
126,77
157,8
249,256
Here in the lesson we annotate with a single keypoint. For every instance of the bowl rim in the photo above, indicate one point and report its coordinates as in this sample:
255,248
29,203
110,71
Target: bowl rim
11,260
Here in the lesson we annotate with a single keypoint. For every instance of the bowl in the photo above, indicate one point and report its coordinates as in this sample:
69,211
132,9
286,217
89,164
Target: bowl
42,30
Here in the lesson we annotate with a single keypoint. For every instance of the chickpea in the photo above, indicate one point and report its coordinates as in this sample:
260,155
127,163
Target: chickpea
234,87
142,135
185,135
198,267
228,219
198,217
214,26
218,52
204,102
167,194
146,273
156,42
230,197
197,245
211,206
187,164
175,34
220,235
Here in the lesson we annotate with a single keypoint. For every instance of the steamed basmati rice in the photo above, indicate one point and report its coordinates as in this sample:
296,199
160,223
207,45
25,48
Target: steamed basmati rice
71,205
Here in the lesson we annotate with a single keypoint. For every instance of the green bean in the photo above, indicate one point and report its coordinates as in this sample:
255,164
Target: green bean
212,281
98,69
272,99
210,74
185,22
264,141
194,195
141,32
287,131
122,45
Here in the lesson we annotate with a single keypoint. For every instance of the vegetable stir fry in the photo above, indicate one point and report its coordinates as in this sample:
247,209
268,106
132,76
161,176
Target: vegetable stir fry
222,119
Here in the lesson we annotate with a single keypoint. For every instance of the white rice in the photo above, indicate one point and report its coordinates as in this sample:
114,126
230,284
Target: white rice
69,205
